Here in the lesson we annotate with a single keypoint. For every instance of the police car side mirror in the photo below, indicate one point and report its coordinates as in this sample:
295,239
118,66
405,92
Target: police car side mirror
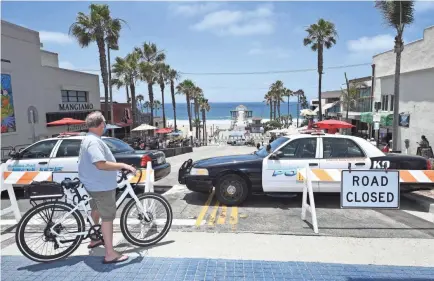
276,155
14,155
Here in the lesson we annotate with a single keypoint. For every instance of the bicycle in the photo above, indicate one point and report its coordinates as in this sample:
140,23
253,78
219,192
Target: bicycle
53,230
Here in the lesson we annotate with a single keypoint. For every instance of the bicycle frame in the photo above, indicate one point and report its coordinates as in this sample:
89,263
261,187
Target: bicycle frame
82,205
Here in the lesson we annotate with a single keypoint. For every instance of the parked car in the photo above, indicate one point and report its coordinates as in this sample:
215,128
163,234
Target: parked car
61,154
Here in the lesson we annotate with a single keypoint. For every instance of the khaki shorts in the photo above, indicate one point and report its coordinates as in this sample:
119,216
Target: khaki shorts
105,203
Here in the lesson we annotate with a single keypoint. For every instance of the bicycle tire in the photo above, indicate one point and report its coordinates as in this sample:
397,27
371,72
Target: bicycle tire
160,236
19,234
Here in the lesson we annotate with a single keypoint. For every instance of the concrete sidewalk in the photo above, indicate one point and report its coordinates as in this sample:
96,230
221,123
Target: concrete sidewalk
245,246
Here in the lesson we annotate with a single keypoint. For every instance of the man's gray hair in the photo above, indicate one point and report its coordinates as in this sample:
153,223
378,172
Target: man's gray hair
94,119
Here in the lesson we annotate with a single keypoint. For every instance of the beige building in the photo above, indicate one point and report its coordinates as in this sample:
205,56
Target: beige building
36,91
416,89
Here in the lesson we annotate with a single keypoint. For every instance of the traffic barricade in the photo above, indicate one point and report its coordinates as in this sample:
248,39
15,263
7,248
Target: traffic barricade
14,205
360,188
10,178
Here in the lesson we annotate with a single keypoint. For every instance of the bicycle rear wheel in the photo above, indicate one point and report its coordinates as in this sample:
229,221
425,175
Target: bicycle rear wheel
153,226
34,238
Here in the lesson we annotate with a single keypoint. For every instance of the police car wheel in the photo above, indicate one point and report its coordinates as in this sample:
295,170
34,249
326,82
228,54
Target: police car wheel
231,190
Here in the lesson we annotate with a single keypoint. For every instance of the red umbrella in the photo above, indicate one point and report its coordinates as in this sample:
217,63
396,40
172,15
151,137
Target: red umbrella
333,124
164,131
66,122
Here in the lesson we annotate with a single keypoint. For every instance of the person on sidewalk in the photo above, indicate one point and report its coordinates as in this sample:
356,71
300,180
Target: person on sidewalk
97,170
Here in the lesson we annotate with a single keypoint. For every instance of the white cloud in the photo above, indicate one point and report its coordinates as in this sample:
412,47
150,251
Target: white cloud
54,37
239,22
424,6
270,52
371,45
191,10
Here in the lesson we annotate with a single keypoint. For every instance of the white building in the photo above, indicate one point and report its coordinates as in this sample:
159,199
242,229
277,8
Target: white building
416,88
32,82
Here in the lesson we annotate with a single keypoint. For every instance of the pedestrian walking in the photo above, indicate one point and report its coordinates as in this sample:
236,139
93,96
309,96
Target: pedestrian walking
97,170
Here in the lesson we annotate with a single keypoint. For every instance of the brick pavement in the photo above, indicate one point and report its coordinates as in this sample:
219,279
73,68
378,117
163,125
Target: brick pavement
88,268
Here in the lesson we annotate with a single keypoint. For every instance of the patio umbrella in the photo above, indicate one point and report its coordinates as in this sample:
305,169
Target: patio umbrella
163,131
110,127
333,124
66,122
144,127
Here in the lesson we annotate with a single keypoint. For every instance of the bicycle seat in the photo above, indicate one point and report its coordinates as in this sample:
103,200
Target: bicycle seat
69,184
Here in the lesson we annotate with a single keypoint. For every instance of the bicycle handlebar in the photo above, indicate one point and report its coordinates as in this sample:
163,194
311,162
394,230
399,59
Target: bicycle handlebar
123,176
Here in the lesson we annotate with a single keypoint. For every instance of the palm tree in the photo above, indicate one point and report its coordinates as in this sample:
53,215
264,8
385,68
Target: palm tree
299,93
268,99
320,35
277,89
196,96
204,107
140,99
186,88
156,106
147,105
163,79
172,77
97,27
287,93
151,57
122,82
127,70
397,14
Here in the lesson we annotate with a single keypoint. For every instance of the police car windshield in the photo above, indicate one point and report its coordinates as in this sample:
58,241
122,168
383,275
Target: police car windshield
275,144
117,146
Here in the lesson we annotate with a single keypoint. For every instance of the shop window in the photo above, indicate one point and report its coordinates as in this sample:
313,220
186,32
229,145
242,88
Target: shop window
74,96
392,100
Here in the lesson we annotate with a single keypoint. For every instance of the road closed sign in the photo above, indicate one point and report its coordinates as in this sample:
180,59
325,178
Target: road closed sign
370,189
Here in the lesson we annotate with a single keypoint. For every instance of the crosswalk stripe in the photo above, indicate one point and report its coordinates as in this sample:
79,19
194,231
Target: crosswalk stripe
213,215
222,217
204,209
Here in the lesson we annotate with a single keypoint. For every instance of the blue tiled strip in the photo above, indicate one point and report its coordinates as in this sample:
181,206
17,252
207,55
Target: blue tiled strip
86,268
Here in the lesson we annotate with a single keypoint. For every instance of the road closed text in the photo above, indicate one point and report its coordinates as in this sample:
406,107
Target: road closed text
370,189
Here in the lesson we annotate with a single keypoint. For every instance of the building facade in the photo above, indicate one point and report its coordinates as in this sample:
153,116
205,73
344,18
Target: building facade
35,91
416,101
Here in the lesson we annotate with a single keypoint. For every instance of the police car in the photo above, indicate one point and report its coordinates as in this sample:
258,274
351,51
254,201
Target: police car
273,168
61,154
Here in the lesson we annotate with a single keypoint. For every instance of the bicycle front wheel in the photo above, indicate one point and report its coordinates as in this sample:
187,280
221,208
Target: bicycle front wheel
34,238
150,226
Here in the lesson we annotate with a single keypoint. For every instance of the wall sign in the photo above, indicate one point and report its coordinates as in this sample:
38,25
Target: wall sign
75,106
404,120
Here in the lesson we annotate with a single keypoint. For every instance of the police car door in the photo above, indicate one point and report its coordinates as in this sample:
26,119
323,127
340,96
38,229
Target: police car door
34,157
337,153
65,157
280,175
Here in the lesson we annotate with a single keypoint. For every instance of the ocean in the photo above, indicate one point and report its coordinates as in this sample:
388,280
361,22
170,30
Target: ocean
221,110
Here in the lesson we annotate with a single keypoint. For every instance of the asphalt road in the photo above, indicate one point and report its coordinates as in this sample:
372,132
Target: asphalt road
263,214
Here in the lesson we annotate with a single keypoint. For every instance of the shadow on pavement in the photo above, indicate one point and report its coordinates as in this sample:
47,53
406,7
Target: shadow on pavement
91,261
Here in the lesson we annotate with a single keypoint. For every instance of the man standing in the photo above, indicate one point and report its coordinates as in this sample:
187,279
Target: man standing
97,170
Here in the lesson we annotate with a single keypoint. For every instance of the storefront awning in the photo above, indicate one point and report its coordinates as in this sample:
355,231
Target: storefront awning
386,118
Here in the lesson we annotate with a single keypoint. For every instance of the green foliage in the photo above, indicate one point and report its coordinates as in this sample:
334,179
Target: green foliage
271,125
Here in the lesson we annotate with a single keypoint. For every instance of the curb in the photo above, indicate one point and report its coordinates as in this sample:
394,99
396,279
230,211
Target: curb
426,203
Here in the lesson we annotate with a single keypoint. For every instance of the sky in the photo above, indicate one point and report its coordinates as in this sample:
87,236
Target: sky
227,37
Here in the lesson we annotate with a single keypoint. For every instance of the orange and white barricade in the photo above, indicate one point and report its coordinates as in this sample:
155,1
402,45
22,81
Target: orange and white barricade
334,175
14,205
308,191
10,178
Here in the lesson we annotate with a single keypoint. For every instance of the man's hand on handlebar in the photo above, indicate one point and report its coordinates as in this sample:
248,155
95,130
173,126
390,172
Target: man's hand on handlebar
129,168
